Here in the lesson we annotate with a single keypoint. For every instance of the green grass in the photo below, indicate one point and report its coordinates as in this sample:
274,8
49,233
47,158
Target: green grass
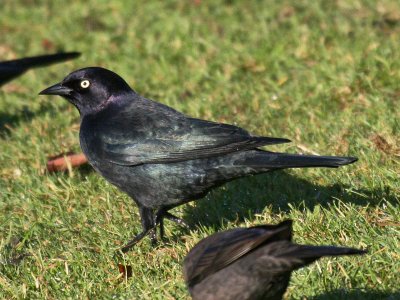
323,73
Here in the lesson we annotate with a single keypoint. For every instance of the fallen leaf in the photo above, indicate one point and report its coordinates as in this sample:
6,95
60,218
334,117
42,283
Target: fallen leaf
125,270
61,162
47,45
381,143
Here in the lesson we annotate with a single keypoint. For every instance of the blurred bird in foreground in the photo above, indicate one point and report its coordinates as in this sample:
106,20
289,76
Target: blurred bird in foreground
159,156
13,68
250,263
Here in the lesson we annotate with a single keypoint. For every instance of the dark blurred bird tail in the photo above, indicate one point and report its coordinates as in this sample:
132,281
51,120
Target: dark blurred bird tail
302,255
41,60
269,160
315,252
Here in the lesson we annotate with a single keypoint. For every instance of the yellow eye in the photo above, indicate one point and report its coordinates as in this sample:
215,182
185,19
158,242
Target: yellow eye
85,83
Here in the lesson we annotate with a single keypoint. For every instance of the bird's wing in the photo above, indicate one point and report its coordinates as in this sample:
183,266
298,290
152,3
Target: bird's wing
219,250
159,134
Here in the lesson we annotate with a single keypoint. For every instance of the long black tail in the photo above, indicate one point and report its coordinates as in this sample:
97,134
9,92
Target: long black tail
315,252
271,160
39,61
306,254
14,68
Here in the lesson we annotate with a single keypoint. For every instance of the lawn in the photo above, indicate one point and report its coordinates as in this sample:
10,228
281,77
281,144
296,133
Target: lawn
324,74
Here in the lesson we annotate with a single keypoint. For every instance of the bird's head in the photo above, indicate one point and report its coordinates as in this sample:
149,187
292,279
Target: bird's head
89,89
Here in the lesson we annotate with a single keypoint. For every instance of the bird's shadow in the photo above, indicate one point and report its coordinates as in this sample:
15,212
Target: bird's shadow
9,120
244,198
278,191
357,295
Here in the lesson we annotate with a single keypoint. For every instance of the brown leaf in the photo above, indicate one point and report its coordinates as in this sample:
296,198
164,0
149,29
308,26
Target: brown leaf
47,45
62,161
286,12
381,143
125,270
253,66
392,17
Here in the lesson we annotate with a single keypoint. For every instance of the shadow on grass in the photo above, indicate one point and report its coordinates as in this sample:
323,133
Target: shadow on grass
246,197
9,120
243,198
84,169
357,295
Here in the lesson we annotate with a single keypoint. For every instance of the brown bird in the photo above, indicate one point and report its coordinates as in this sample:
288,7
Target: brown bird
250,263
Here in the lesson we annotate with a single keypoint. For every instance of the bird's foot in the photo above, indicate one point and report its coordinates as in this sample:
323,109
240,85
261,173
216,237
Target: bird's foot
152,232
165,214
161,214
136,239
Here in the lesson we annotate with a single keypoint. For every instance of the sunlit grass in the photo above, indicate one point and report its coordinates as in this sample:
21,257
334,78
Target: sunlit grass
324,74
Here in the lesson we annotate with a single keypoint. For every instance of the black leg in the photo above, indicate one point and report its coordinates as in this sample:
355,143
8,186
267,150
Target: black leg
175,219
160,221
135,240
163,213
162,231
148,226
153,236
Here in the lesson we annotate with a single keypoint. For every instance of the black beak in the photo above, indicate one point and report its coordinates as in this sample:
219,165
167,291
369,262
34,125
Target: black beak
57,89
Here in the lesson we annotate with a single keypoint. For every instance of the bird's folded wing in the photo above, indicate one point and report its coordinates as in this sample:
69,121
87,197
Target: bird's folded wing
166,139
229,247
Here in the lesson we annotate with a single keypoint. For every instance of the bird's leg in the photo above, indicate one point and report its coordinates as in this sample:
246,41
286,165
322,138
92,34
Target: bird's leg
175,219
148,226
163,213
162,231
160,221
153,236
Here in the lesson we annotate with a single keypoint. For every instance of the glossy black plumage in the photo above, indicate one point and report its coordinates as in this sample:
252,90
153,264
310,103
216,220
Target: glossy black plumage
160,157
250,263
13,68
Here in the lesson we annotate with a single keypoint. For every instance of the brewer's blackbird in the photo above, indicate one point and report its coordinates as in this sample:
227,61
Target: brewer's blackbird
159,156
250,263
14,68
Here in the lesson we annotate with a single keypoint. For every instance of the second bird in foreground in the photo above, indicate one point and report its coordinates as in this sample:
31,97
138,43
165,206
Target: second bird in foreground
250,263
159,156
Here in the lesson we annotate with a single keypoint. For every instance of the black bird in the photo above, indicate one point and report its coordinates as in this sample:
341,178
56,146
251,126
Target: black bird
159,156
14,68
250,263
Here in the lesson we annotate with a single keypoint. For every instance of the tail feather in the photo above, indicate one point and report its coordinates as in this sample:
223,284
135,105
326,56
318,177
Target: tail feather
41,60
306,254
272,160
315,252
14,68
